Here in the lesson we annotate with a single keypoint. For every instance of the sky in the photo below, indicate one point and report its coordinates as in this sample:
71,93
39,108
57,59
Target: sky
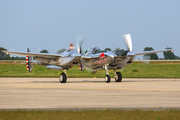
54,24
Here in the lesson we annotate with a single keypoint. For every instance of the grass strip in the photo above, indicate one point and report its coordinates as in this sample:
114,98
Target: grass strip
90,115
134,70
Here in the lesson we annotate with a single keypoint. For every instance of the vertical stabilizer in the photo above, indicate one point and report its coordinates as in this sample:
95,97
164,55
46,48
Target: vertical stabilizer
29,59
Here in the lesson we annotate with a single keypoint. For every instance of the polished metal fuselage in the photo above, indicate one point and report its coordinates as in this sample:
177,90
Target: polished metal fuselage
68,60
122,59
98,60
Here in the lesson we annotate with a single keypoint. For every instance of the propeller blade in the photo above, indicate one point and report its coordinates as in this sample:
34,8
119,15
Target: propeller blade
128,41
80,41
146,59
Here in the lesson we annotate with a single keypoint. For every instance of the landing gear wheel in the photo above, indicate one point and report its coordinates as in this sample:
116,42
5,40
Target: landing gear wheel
107,79
118,77
62,78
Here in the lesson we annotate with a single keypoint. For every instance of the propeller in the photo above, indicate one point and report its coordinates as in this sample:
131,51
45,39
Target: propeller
146,59
80,40
127,39
10,48
39,50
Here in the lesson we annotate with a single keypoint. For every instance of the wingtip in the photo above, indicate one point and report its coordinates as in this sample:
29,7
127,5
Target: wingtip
4,51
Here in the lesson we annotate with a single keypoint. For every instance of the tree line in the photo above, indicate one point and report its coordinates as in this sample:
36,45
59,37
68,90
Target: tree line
169,55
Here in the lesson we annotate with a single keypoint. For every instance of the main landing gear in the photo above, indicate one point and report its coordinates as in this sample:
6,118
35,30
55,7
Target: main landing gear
63,77
117,76
107,78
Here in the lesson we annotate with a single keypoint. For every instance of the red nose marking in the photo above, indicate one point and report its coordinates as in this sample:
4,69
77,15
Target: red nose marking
102,55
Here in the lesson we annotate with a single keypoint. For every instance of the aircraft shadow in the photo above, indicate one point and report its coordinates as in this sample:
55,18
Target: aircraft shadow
89,81
84,81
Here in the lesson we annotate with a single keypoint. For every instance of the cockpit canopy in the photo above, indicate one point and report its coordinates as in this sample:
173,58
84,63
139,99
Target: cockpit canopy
92,50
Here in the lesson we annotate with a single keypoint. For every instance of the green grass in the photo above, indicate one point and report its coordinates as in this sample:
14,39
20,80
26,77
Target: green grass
135,70
91,115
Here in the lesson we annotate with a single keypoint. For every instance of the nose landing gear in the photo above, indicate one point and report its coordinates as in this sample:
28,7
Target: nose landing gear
107,78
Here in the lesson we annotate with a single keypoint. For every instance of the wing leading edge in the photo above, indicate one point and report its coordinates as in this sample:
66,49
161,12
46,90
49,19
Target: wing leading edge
32,54
151,52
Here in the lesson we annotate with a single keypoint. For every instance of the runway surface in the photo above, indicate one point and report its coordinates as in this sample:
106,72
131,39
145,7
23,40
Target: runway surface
89,93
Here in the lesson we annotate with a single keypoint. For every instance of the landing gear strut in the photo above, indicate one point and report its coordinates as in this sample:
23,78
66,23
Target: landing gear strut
63,77
107,78
117,76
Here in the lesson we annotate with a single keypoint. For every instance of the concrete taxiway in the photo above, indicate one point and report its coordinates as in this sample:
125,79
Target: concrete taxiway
89,93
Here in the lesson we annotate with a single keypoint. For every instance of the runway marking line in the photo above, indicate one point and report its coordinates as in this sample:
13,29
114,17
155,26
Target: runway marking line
177,90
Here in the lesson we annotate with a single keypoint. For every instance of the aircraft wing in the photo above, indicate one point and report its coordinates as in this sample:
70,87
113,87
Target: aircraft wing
32,54
151,52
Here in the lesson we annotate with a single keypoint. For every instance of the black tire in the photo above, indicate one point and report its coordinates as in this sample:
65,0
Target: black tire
62,78
118,77
107,79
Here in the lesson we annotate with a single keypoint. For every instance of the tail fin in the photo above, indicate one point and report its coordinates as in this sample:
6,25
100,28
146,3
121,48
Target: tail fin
29,64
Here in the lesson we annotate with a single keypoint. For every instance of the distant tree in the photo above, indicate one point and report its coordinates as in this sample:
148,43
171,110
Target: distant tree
4,56
150,56
116,49
61,50
177,57
108,49
44,51
12,58
169,55
18,58
86,51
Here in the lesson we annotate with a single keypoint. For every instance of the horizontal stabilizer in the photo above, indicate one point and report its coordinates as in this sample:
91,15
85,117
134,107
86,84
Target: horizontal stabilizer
54,67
